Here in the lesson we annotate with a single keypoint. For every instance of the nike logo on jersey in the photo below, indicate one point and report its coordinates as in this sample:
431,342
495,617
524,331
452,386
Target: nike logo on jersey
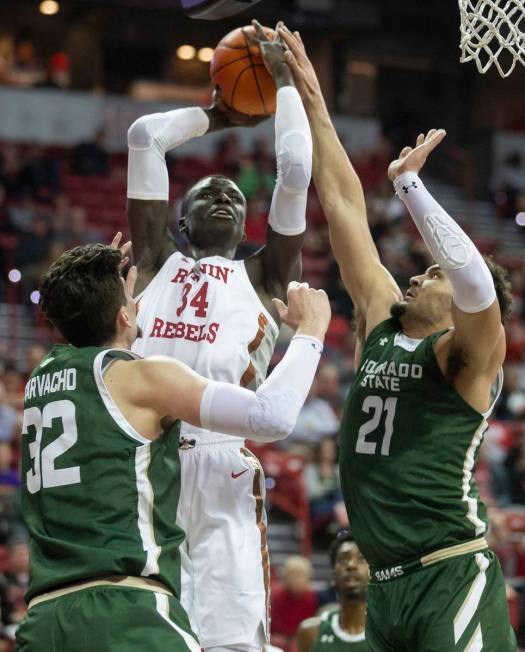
383,341
237,475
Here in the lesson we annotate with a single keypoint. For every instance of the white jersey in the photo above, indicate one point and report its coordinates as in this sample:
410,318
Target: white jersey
207,314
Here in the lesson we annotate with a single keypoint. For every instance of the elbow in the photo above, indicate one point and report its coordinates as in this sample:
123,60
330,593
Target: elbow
139,136
269,421
294,161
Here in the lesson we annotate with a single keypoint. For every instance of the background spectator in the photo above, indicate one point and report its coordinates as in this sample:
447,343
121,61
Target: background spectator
293,601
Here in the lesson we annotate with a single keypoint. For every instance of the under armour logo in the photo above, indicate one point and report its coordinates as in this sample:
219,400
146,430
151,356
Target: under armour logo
383,341
407,188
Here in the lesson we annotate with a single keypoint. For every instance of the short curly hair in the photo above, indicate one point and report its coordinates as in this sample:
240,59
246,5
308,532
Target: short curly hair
82,292
341,537
503,287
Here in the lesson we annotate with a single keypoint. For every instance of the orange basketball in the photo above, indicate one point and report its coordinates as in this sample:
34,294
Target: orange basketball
238,69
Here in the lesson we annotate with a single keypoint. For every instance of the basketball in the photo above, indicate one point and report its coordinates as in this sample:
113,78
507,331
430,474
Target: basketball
238,69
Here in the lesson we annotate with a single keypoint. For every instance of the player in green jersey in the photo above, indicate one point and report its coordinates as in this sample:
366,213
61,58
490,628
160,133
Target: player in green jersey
100,459
428,367
341,629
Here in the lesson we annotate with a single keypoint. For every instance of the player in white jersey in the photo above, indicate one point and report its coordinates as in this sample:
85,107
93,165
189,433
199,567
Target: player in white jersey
216,314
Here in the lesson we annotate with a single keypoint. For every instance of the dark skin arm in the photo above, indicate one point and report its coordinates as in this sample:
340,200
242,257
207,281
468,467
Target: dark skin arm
279,262
149,220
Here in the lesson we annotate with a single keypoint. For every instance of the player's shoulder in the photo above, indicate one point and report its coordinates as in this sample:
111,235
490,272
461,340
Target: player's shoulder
384,329
308,632
310,625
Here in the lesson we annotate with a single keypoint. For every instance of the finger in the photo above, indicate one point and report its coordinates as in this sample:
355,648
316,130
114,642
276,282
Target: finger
126,248
293,44
278,36
430,134
436,139
131,279
420,140
405,152
298,36
123,263
250,38
281,308
292,62
116,240
259,30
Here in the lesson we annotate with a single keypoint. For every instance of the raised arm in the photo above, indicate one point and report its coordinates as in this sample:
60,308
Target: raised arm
371,287
149,138
476,346
280,260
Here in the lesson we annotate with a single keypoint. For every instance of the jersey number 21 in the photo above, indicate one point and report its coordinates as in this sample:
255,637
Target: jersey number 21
376,407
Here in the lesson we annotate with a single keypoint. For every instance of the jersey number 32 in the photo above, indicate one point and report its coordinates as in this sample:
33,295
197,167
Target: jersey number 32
44,474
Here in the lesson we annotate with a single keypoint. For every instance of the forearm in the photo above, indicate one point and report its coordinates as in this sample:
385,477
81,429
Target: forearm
472,283
333,173
282,76
149,138
293,148
270,413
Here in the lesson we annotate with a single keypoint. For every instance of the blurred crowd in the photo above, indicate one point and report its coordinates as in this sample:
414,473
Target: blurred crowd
46,207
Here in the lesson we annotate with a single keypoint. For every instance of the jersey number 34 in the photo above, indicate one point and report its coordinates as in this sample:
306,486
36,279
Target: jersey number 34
376,407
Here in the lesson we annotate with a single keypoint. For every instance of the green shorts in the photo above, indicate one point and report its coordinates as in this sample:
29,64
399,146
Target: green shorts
107,619
455,605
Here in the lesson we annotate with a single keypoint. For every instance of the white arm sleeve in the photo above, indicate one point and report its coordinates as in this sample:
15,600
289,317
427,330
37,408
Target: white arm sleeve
472,283
149,138
271,412
293,149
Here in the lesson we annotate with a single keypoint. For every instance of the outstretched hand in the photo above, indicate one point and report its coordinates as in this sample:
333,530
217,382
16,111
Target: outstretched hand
302,69
413,159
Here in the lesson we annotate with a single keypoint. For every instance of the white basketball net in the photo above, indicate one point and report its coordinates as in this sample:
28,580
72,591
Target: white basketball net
492,32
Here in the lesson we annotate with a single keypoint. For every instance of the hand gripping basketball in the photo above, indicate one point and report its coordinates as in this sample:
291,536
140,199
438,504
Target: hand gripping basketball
238,69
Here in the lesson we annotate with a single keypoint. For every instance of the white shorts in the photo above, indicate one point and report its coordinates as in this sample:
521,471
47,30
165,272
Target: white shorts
225,563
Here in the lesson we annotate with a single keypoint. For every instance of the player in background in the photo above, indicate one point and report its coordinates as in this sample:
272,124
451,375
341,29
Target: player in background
100,459
215,314
427,375
341,629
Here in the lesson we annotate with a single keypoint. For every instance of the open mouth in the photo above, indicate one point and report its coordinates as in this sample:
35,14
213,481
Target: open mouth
222,214
409,296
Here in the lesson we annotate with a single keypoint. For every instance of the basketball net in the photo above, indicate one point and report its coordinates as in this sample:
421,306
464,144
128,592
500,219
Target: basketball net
492,33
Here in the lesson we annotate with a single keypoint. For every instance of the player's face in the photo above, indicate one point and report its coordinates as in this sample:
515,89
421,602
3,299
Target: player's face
428,299
216,213
350,571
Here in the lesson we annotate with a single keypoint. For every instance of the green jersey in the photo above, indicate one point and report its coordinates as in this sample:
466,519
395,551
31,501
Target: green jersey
409,444
331,638
98,498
